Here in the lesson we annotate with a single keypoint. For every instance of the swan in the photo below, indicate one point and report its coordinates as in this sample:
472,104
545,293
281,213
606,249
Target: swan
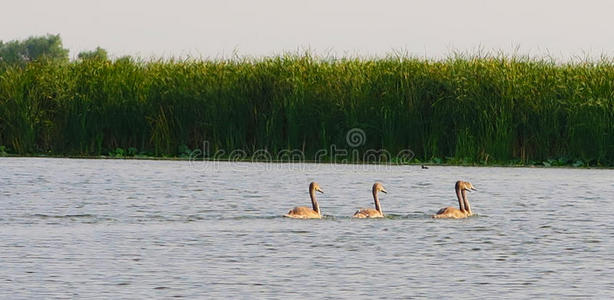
464,209
303,212
370,212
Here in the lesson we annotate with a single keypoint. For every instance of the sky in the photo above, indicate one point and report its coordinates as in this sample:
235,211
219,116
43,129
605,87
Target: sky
561,29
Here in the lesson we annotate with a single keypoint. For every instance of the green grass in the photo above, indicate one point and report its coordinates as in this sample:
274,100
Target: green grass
484,110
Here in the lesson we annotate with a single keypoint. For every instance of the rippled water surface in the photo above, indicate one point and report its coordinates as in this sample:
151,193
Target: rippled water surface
140,229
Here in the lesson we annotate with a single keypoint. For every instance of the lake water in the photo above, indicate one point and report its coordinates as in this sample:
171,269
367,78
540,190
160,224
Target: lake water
130,229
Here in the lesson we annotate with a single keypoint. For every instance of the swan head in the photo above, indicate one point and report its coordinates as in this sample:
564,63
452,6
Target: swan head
465,186
378,187
314,186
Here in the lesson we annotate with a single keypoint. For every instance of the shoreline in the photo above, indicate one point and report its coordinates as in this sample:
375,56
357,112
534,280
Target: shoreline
426,164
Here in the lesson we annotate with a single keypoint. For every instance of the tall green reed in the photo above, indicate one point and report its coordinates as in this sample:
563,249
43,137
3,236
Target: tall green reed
479,109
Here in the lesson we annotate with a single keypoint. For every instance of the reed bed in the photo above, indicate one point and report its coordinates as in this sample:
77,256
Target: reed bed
464,109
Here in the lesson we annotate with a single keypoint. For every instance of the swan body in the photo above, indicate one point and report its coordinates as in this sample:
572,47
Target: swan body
367,213
450,212
303,212
370,212
464,209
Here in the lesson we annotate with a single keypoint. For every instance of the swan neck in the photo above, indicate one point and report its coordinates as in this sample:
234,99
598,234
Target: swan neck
314,202
461,204
378,207
466,202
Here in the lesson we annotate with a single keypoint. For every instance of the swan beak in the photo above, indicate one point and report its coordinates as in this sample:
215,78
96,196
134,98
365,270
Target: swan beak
384,191
319,190
473,189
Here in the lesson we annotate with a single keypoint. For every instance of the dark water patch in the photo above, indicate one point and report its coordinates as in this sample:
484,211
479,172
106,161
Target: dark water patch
75,216
479,229
257,218
411,216
593,241
296,231
191,218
